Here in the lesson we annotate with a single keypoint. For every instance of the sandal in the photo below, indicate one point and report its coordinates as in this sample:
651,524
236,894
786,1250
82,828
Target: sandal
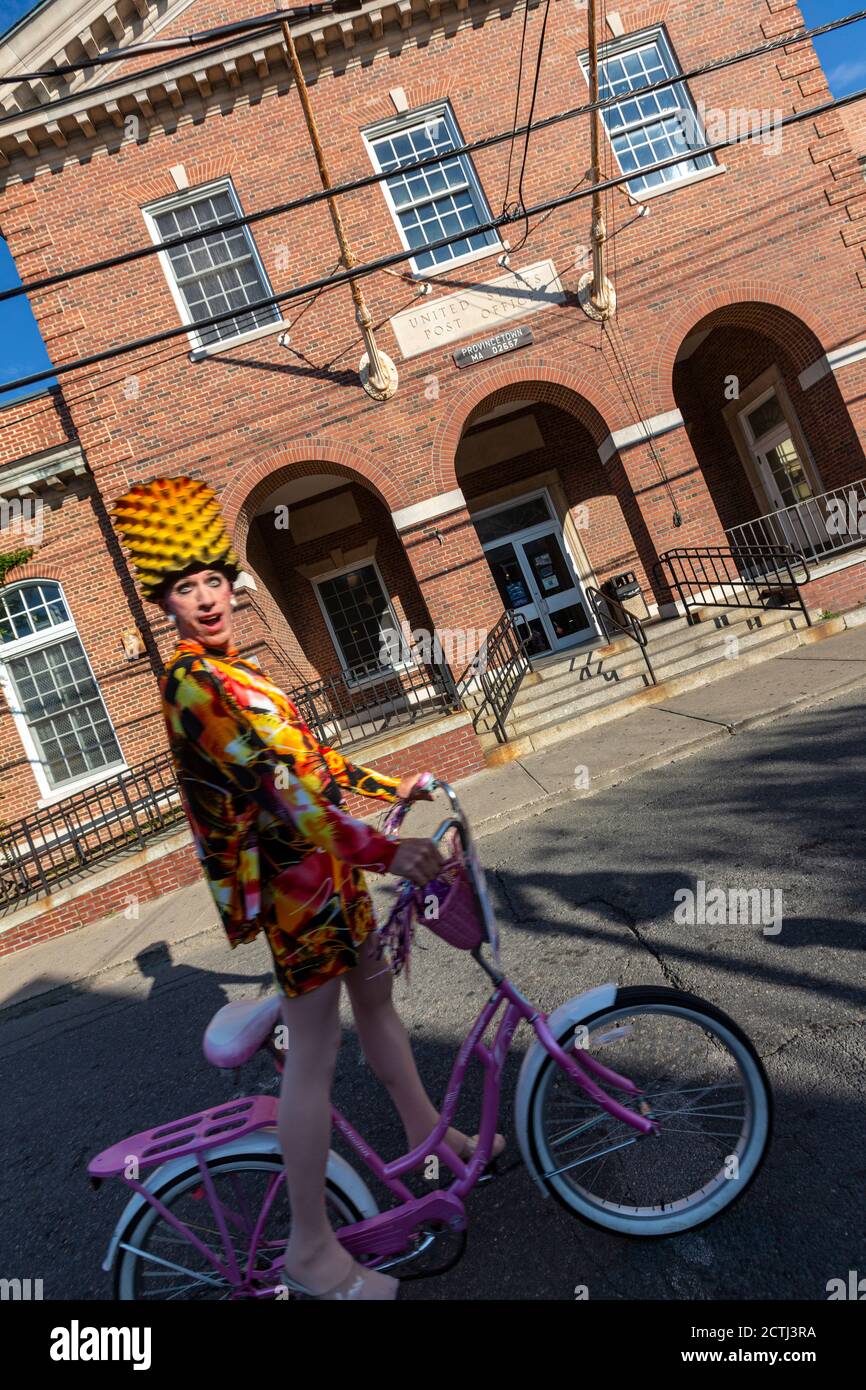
353,1280
472,1145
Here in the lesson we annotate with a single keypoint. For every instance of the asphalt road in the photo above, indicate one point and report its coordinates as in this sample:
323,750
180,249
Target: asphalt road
585,894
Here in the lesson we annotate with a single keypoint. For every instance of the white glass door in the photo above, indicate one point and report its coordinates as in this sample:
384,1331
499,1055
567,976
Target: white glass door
535,576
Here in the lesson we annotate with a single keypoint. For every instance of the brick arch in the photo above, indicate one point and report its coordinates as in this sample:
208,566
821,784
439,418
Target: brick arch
31,571
759,305
586,400
302,459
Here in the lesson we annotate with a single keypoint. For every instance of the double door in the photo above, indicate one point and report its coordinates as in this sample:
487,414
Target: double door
534,574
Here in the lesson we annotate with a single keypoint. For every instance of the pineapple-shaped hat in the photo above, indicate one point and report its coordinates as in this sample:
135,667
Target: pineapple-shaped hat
168,526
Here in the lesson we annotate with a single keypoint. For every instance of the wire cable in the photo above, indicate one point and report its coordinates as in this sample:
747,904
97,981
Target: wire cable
410,166
363,269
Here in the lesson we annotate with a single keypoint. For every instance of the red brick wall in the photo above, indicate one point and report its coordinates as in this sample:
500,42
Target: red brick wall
151,881
28,426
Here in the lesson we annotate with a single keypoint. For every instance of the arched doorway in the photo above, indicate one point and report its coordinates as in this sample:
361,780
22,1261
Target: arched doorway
774,440
339,597
553,520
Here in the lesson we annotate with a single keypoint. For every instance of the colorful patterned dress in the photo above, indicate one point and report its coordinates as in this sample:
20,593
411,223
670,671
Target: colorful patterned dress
260,794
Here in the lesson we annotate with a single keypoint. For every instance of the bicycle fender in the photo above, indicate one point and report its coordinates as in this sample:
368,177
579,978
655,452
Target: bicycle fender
571,1012
341,1173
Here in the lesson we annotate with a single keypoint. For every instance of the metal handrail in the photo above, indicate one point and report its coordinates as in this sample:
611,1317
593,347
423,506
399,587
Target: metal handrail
498,667
618,617
701,575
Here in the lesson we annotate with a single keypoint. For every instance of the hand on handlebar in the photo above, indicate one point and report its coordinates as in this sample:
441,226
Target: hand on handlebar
410,790
417,860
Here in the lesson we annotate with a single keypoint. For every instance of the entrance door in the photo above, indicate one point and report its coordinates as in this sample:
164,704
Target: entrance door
534,573
799,521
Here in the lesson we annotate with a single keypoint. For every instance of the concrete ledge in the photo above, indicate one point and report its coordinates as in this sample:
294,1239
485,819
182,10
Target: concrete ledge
123,863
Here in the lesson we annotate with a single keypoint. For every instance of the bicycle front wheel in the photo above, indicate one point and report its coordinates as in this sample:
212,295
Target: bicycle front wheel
155,1261
700,1077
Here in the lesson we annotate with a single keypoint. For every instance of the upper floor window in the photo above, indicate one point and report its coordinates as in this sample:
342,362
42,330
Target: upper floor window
429,204
646,129
51,690
216,272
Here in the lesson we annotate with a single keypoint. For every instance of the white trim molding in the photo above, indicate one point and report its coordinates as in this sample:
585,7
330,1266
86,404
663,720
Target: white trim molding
430,510
41,472
637,434
833,361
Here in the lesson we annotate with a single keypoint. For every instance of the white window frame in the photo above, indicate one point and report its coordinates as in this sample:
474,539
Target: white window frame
39,641
183,198
351,679
656,34
437,110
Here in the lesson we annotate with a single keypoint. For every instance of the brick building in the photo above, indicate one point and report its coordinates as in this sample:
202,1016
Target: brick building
721,404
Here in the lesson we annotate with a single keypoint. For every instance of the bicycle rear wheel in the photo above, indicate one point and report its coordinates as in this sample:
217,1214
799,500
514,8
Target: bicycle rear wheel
161,1264
701,1078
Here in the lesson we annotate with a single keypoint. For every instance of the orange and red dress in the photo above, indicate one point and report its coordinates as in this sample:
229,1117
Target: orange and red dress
278,853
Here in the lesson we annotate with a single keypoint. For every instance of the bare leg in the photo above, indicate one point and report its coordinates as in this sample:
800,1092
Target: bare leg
314,1256
387,1048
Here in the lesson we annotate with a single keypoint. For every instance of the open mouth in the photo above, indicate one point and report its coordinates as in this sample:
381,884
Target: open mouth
212,620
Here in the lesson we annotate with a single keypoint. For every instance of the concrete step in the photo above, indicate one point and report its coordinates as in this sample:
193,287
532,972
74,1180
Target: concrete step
623,700
528,723
691,645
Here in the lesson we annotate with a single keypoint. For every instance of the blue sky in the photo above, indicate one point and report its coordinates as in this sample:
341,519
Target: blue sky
22,350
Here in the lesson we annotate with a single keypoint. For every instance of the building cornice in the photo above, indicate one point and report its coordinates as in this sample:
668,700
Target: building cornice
191,87
42,473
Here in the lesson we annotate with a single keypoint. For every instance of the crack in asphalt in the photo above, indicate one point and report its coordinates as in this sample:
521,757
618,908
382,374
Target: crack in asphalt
815,1029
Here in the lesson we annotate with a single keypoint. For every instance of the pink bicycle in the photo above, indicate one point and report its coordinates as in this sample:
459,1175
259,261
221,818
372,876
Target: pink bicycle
645,1111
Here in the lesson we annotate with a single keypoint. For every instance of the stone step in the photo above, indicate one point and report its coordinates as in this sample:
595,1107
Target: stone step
621,702
692,647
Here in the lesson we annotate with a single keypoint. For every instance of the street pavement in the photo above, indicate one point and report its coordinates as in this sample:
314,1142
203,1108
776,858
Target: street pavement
584,888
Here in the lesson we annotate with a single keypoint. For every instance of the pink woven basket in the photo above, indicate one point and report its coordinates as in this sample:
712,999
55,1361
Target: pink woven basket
457,918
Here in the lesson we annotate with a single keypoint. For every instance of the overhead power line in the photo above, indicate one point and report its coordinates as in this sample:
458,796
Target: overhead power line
373,178
340,277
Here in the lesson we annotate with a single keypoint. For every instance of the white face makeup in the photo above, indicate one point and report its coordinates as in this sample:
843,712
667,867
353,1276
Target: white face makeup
201,606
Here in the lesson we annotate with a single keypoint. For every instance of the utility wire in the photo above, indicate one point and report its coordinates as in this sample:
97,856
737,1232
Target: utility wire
410,166
357,272
520,203
516,106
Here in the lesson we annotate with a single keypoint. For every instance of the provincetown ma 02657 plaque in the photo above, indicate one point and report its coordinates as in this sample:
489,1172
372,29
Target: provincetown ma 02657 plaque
437,322
485,348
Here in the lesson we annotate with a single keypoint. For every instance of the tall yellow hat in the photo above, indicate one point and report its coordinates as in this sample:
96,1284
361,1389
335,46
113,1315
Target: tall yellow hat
167,526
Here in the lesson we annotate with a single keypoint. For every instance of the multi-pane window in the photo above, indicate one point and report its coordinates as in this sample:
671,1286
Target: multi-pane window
216,272
436,202
646,129
361,620
51,689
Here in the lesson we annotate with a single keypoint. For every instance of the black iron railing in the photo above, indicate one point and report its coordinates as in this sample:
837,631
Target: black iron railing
342,710
489,685
40,851
615,618
738,576
817,527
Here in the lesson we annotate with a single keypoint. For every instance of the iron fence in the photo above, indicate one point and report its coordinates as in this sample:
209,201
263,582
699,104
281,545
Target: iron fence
40,851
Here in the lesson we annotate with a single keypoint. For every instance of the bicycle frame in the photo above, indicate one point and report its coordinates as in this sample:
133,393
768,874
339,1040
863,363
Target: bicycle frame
389,1233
